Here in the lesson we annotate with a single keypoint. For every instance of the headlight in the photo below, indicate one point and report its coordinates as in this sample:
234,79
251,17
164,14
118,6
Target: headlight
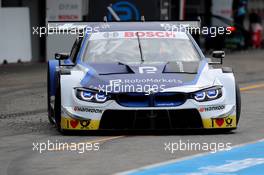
199,96
211,94
91,96
100,97
86,95
207,94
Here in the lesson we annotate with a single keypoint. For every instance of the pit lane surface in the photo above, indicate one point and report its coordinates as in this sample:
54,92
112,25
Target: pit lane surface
23,121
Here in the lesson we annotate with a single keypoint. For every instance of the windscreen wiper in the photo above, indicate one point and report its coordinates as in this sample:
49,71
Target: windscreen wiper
140,48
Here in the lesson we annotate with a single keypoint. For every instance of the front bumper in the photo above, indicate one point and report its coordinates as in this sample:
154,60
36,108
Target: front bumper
110,115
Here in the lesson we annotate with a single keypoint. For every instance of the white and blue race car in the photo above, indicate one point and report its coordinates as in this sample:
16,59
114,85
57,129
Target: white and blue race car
139,75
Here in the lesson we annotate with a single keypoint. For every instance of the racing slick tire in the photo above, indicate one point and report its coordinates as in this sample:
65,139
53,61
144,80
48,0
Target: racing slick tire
238,103
50,110
57,106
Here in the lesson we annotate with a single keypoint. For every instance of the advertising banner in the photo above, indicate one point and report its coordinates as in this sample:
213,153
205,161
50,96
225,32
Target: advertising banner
222,8
64,10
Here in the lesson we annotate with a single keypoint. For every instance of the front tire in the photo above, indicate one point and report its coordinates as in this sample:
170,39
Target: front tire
238,103
50,109
57,106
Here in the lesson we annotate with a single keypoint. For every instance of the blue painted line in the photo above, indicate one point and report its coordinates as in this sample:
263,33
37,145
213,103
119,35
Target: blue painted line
245,160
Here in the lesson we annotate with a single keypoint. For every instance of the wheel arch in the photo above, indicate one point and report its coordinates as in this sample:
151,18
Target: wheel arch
52,64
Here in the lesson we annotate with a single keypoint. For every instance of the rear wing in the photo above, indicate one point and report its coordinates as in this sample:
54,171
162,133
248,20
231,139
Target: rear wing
72,25
81,24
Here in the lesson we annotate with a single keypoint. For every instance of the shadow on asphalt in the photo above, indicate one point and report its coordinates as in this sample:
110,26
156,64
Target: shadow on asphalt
176,132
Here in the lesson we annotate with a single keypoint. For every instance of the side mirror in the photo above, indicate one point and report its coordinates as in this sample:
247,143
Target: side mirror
61,56
220,55
63,59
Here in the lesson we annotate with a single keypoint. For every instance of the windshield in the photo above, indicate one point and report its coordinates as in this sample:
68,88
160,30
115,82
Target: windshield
125,47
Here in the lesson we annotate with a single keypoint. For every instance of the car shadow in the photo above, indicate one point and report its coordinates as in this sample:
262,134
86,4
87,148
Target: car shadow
176,132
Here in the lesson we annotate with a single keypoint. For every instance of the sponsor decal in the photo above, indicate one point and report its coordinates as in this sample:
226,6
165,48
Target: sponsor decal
147,81
141,34
150,34
85,109
225,122
212,108
73,124
137,85
85,123
147,69
116,82
229,121
219,122
111,35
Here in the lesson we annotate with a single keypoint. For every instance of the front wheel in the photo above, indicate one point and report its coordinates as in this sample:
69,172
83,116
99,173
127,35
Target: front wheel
238,109
238,103
50,108
57,106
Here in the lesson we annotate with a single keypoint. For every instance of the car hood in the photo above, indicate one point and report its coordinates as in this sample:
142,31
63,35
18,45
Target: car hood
120,77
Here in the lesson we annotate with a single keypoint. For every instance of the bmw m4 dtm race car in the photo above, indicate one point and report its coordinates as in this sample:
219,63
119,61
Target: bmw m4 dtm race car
140,75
